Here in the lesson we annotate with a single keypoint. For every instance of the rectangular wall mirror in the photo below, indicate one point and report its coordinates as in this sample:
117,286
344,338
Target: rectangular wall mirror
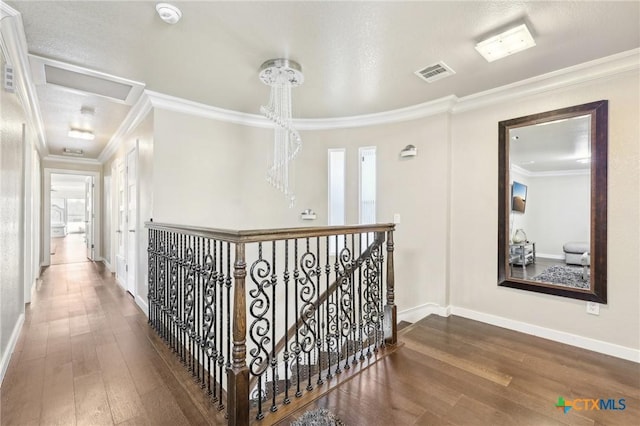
552,208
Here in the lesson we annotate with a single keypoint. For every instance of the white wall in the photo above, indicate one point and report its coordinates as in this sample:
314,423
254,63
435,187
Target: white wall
416,188
558,211
474,216
518,220
141,136
12,184
196,170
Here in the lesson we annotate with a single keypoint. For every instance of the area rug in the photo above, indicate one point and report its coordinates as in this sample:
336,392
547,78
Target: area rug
570,276
318,417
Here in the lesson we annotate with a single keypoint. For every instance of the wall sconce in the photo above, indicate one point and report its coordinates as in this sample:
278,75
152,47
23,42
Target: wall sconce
409,151
308,214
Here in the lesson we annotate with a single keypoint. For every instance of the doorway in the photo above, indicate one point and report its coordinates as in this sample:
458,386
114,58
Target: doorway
71,222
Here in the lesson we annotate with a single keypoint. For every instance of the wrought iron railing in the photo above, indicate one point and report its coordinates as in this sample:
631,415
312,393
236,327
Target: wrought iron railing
258,337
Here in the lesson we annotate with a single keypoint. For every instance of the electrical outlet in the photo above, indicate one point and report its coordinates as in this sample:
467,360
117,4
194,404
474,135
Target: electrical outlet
396,218
593,308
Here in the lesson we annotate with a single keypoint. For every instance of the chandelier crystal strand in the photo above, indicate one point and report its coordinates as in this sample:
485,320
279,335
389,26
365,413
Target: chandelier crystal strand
282,75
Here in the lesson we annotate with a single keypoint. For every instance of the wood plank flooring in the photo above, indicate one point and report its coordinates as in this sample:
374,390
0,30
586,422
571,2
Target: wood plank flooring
68,249
86,356
454,371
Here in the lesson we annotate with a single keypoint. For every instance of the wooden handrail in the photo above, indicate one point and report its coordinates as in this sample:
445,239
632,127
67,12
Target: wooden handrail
258,235
379,239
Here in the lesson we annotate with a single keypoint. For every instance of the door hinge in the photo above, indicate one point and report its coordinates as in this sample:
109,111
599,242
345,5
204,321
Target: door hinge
92,246
126,268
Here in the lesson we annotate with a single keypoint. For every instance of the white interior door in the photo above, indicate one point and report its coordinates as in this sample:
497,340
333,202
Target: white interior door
121,225
88,217
132,220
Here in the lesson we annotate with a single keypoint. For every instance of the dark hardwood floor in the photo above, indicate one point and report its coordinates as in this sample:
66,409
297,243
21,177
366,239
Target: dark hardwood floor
87,356
533,269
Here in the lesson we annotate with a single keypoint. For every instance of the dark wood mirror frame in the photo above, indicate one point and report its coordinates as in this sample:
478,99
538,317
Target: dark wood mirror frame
598,242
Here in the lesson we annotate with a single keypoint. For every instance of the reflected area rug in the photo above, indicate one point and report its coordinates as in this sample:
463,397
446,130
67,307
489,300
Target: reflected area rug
567,275
318,417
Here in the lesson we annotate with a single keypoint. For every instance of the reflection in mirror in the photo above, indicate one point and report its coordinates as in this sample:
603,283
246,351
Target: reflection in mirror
549,175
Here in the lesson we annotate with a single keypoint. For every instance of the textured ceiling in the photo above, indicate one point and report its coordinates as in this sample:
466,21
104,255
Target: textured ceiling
357,57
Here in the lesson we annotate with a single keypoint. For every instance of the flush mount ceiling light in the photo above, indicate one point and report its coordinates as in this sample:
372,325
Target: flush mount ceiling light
73,151
282,75
168,13
512,41
81,134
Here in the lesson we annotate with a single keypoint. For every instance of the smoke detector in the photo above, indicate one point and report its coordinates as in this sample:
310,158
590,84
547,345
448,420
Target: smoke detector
168,13
435,72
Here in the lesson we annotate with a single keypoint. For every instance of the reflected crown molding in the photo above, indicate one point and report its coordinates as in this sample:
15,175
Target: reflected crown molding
550,173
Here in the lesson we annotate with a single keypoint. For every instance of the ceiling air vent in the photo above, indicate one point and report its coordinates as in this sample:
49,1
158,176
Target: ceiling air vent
435,72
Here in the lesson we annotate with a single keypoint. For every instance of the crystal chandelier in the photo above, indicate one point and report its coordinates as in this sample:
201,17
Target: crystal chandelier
282,75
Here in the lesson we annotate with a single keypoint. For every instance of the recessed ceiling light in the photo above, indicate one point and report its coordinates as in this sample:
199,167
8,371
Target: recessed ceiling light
81,134
512,41
168,13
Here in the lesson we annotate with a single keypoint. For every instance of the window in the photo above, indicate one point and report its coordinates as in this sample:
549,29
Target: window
367,185
336,184
367,156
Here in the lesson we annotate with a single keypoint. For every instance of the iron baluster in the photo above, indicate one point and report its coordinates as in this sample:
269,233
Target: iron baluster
285,277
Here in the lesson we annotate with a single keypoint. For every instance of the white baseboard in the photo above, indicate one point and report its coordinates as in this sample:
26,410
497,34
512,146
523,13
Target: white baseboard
418,312
107,265
143,305
121,284
606,348
550,256
13,340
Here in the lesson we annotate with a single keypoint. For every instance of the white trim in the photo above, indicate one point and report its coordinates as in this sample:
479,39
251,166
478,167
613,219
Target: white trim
39,78
172,103
14,43
421,311
549,173
136,115
606,348
597,69
550,256
426,109
97,209
11,346
107,265
587,71
121,283
142,305
72,160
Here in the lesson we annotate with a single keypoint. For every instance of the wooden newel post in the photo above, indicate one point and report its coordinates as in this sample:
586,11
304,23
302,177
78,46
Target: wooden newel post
238,374
390,309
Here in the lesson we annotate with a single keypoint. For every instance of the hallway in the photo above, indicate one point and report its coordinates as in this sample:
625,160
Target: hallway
86,356
69,249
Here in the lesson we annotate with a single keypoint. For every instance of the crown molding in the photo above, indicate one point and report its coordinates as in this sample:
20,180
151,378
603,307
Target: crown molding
581,73
426,109
172,103
136,115
72,160
549,173
14,44
593,70
577,74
